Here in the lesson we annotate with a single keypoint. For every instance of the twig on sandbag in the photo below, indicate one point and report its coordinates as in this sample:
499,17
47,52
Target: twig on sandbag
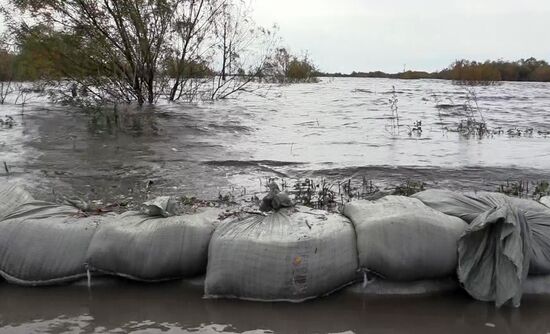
6,168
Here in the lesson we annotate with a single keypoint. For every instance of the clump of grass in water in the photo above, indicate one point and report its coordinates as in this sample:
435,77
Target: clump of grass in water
7,122
542,189
521,189
394,118
409,187
474,122
416,129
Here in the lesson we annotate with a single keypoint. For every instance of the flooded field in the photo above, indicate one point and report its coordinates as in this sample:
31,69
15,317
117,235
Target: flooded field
336,129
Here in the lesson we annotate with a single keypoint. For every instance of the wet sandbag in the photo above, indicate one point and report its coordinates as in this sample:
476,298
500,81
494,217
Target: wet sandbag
507,239
470,205
402,239
453,203
292,254
145,248
43,243
494,255
12,196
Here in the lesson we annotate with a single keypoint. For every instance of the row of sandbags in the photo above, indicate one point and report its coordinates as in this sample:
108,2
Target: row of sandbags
489,240
300,253
292,254
43,243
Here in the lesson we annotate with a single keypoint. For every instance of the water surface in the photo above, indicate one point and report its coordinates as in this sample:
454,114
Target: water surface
338,128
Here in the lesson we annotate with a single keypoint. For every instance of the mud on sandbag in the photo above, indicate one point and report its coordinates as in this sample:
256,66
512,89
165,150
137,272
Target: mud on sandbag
292,254
401,239
507,239
145,248
12,196
43,243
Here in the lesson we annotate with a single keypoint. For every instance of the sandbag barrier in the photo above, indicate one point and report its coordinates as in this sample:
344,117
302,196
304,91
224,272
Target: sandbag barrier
491,242
45,244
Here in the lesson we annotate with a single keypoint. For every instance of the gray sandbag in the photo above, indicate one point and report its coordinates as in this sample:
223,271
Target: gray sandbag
145,248
545,200
293,254
494,255
507,239
12,196
470,205
43,243
402,239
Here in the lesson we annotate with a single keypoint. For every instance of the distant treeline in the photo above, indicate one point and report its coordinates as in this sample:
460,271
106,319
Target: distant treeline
471,71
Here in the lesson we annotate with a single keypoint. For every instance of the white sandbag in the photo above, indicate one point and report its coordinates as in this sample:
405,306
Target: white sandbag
145,248
12,196
292,254
545,200
402,239
508,238
43,243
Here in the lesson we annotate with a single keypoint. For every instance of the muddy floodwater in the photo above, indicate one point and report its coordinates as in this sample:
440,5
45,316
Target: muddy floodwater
178,307
336,129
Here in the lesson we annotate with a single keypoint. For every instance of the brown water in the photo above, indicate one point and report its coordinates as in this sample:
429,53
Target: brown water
335,129
113,306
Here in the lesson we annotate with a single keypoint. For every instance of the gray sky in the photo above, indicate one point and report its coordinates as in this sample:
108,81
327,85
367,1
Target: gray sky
365,35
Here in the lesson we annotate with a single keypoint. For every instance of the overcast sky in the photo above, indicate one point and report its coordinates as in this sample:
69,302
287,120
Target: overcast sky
365,35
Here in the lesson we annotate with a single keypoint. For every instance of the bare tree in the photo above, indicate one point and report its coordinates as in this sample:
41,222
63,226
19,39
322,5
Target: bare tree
192,37
244,49
122,41
138,50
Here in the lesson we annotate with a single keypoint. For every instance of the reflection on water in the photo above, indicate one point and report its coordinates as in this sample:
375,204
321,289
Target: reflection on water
116,306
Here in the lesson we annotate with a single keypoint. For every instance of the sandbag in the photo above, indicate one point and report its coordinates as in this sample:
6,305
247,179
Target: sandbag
12,196
507,239
402,239
494,255
145,248
43,243
292,254
545,200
